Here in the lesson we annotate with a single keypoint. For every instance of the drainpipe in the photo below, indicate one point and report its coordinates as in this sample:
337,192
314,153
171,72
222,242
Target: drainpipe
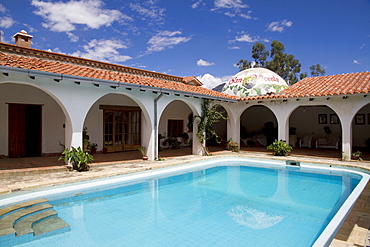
156,126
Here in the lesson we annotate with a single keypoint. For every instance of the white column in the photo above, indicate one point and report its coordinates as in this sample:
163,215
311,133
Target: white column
197,145
346,137
233,130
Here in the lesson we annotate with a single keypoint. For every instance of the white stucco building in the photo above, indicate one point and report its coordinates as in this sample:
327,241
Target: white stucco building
47,100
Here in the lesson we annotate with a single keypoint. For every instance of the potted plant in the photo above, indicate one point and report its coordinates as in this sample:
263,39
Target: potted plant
86,145
78,158
86,139
143,153
93,148
172,142
280,148
232,146
185,137
357,155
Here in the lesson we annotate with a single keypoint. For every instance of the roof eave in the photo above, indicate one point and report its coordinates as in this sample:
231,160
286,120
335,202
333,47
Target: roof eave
59,77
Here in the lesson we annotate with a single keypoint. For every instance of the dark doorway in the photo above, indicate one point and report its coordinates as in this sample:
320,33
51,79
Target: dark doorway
24,130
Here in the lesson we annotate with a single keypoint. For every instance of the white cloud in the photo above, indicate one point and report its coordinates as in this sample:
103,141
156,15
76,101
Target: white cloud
356,61
246,16
30,29
233,8
196,4
103,50
149,11
2,9
6,22
64,16
362,46
72,37
234,48
209,81
230,4
201,62
245,37
279,26
165,40
229,14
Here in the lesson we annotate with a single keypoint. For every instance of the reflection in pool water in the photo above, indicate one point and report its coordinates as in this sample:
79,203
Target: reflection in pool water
210,205
253,218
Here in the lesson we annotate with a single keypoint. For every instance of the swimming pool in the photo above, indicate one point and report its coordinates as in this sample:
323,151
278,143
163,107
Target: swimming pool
218,202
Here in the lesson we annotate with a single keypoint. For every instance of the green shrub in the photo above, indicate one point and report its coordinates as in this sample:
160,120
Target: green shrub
78,158
357,155
172,142
279,148
232,146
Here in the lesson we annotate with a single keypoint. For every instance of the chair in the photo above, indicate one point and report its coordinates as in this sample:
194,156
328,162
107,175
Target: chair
305,141
331,142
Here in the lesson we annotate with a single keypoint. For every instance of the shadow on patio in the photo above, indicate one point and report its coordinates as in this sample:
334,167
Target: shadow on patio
52,161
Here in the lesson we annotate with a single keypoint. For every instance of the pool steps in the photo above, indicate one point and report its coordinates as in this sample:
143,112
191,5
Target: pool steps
21,222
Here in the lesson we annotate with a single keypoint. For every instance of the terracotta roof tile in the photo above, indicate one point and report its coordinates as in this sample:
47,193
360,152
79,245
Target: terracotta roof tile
353,83
331,85
33,59
115,73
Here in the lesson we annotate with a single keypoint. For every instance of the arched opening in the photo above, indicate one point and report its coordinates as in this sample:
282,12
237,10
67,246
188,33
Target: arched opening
33,122
175,130
315,130
361,133
258,128
114,124
220,127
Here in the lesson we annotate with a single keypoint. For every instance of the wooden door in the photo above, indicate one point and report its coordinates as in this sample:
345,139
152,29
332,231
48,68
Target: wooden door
24,130
17,130
122,129
131,128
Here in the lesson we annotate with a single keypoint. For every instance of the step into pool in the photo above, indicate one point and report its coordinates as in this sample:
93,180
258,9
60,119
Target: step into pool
217,202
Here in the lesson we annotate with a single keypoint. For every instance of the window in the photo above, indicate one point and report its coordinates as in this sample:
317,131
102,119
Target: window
122,128
175,128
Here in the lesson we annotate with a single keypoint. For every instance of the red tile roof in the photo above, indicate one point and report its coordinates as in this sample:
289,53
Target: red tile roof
344,84
33,59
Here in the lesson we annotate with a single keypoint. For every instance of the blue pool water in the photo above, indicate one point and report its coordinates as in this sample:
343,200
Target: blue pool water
233,205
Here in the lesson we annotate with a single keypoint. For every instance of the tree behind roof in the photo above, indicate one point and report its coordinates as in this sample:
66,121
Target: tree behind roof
281,63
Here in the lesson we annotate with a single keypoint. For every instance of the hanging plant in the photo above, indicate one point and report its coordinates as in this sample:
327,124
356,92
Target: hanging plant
209,116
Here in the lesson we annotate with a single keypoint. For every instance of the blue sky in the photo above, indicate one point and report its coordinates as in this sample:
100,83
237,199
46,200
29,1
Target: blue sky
205,38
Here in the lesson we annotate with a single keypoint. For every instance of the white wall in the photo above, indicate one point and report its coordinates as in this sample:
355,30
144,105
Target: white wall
361,132
176,110
94,118
305,120
52,115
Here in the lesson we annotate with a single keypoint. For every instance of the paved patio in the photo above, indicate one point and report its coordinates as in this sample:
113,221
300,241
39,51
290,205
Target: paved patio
27,173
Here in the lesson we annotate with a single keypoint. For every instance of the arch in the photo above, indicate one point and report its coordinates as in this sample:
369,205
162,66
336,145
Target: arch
131,110
258,126
55,116
173,124
307,122
221,129
360,125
